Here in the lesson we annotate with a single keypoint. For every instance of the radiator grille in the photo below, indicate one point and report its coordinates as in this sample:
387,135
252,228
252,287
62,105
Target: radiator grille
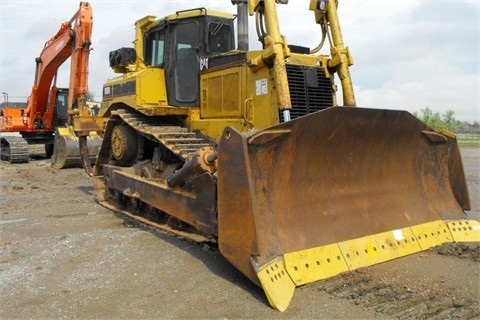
310,90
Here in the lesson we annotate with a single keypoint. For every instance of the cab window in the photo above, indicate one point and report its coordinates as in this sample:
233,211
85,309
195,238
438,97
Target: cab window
154,51
219,37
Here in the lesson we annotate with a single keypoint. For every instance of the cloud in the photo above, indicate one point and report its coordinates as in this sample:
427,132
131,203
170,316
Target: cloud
416,54
408,54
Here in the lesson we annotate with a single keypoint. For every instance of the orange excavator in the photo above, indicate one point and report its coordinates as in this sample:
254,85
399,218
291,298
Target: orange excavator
51,111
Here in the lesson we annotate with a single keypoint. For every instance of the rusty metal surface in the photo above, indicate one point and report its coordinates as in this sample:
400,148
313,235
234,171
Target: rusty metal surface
335,175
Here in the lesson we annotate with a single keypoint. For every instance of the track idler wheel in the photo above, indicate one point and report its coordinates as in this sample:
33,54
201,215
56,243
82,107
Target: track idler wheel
124,145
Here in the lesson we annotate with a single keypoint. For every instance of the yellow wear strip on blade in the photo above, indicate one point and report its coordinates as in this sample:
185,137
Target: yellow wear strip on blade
370,250
432,234
465,230
280,276
305,265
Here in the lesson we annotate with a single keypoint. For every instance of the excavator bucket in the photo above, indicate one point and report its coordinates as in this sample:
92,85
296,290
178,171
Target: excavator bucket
66,150
334,191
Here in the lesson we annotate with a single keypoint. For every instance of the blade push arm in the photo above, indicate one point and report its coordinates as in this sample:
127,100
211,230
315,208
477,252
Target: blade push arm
326,15
276,48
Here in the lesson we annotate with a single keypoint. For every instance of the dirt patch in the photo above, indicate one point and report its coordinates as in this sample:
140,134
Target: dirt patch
470,251
388,296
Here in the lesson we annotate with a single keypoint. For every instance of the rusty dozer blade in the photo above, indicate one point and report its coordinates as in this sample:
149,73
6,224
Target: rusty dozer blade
337,190
66,150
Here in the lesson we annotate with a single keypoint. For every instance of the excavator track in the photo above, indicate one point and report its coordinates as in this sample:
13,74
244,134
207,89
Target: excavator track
14,149
181,143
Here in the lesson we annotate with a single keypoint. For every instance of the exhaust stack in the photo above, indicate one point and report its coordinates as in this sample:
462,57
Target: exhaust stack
242,24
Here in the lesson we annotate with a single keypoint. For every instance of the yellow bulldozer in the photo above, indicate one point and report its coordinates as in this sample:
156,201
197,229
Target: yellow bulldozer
249,149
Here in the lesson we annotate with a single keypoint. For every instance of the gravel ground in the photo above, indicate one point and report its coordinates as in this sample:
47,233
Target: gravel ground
64,256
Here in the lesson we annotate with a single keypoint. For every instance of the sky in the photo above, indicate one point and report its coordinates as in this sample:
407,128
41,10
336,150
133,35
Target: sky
408,54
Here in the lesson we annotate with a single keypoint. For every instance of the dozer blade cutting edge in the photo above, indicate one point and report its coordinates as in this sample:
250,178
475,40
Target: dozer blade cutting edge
334,191
67,148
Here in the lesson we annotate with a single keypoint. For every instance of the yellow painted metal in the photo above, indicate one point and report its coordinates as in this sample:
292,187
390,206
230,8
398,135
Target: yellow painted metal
276,45
140,26
432,234
465,230
341,58
238,97
151,86
314,264
370,250
276,283
252,6
310,60
281,275
222,93
199,12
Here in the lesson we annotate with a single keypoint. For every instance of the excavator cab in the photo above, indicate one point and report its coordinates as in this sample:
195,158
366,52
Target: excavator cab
61,103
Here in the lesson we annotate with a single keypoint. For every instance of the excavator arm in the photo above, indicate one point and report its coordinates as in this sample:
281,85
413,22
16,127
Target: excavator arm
71,141
81,24
71,41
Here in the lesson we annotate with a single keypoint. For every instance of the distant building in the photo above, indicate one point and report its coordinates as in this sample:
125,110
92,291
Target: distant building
13,104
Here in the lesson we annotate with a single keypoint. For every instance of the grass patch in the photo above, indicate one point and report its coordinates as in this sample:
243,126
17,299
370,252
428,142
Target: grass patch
469,140
469,143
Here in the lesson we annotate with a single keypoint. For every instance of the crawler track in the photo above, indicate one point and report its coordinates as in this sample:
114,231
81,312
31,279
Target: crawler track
153,218
177,139
178,145
14,149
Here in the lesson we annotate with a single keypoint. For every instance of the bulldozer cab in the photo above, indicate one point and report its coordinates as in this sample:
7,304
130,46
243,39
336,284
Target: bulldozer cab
178,44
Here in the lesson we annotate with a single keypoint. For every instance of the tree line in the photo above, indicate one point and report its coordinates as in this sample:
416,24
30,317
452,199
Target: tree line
447,121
